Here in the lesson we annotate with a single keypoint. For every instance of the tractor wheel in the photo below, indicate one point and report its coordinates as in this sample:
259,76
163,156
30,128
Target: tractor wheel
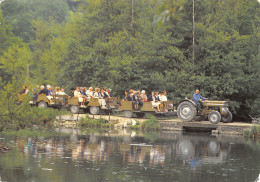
214,117
42,104
140,114
94,110
227,118
74,109
128,114
186,111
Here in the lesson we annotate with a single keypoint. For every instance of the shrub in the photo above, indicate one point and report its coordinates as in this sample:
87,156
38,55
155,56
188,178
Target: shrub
94,123
15,115
151,124
254,132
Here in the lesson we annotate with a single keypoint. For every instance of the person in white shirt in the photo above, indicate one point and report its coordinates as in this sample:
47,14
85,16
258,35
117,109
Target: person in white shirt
80,97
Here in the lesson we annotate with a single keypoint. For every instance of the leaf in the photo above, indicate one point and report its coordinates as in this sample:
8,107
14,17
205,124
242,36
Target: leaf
156,19
165,12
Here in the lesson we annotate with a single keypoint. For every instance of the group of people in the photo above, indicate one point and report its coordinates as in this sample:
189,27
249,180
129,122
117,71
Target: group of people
85,94
139,97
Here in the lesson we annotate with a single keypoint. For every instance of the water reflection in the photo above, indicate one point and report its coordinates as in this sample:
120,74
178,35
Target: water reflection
113,157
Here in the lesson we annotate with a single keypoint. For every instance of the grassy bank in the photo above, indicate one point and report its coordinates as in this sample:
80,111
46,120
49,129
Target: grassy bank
151,124
94,123
254,132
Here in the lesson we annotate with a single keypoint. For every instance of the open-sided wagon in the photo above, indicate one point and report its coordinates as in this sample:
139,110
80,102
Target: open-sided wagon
147,107
93,105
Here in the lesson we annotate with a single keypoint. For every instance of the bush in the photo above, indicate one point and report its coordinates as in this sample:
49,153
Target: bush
254,132
94,123
151,124
15,115
135,127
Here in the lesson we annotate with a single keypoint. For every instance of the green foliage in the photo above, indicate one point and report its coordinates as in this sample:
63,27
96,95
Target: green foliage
17,115
140,45
254,132
150,124
94,123
136,126
22,13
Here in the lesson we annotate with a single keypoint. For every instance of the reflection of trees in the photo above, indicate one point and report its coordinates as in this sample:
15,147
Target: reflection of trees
97,158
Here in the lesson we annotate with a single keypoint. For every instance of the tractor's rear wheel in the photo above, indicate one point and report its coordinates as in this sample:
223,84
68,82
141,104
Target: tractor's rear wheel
186,111
94,110
227,118
214,117
74,109
128,114
42,104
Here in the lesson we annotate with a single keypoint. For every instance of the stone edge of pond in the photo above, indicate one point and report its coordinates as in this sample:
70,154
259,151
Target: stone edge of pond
166,125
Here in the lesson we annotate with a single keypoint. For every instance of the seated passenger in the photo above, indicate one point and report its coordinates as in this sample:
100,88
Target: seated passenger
139,101
71,94
103,94
197,98
130,96
144,96
83,94
50,93
155,101
90,92
24,90
43,90
126,95
57,90
62,92
101,101
162,98
79,95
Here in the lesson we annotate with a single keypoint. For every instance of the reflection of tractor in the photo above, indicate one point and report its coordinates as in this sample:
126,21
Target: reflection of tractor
215,111
128,109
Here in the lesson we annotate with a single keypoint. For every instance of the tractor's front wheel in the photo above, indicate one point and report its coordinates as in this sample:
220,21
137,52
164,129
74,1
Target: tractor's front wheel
214,117
186,111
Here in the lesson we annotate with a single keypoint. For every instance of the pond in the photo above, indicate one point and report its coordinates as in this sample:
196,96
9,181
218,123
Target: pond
89,155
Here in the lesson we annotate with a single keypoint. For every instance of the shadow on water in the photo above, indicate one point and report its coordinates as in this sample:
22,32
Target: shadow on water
68,154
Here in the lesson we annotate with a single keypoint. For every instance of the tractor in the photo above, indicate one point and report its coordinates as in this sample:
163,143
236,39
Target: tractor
214,111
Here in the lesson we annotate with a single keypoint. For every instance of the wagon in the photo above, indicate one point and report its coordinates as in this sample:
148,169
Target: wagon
127,108
93,105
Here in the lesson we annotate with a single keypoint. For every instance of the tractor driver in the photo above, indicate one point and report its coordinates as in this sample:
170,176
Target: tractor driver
198,99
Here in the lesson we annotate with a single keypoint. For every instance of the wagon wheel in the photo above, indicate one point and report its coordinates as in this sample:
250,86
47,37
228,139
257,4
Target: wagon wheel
186,111
128,114
42,104
94,110
214,117
74,109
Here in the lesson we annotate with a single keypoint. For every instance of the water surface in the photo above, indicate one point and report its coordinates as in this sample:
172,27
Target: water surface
72,155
